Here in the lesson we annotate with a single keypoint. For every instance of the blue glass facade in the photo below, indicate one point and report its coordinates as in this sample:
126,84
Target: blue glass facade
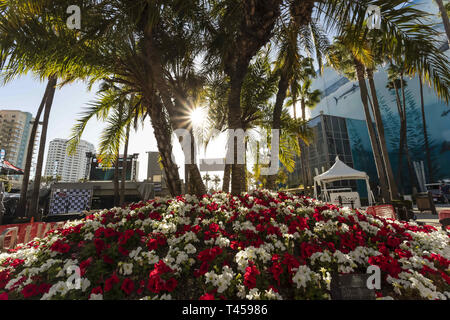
24,141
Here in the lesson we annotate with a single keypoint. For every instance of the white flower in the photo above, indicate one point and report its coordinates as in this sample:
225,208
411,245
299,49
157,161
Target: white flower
85,283
272,295
253,294
126,268
94,296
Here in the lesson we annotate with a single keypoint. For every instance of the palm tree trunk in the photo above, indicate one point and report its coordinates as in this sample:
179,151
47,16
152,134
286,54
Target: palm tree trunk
34,206
116,181
400,146
162,132
303,105
294,108
234,122
26,177
405,138
245,167
283,85
161,126
373,139
382,140
226,178
425,135
445,19
124,166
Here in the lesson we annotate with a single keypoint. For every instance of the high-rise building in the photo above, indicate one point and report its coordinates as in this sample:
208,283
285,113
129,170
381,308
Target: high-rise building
71,168
15,131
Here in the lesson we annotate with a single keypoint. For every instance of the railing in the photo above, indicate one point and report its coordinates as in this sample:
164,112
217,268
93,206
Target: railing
385,211
14,234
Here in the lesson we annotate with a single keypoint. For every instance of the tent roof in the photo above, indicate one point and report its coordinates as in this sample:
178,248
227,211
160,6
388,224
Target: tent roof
340,171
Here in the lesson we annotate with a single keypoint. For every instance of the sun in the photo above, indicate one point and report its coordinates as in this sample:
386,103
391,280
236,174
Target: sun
199,117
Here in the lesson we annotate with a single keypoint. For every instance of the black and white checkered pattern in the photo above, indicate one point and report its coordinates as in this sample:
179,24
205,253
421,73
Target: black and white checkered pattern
70,200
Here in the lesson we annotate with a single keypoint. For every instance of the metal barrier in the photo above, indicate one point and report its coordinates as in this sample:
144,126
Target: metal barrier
384,211
24,233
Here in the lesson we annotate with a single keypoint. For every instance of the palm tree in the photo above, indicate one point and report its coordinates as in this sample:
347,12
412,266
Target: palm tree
216,181
443,10
344,60
126,47
425,134
118,108
392,185
396,83
308,99
34,205
21,206
206,178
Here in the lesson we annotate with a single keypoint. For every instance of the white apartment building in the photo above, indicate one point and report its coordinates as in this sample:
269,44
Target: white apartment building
59,163
15,131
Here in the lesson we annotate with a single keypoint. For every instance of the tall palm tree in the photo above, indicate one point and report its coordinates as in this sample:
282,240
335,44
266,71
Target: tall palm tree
216,181
444,15
392,185
21,206
118,108
308,99
346,61
115,42
206,178
425,134
34,205
396,83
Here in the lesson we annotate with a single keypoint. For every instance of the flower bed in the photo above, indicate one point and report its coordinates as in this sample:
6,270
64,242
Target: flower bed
260,246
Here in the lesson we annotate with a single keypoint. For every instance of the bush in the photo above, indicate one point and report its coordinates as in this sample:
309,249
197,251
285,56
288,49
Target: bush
261,245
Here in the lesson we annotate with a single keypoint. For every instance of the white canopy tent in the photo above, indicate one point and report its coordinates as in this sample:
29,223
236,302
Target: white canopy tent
341,171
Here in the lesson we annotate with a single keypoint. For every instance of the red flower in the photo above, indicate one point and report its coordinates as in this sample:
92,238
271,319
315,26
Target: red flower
84,265
155,284
152,244
171,284
125,236
109,232
203,269
123,251
44,288
99,245
141,287
107,259
17,262
110,282
4,278
160,268
250,275
207,296
3,296
60,246
97,290
213,227
276,271
30,290
209,254
127,286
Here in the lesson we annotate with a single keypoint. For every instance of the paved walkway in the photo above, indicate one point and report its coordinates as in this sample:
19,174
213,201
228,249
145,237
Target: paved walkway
429,218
